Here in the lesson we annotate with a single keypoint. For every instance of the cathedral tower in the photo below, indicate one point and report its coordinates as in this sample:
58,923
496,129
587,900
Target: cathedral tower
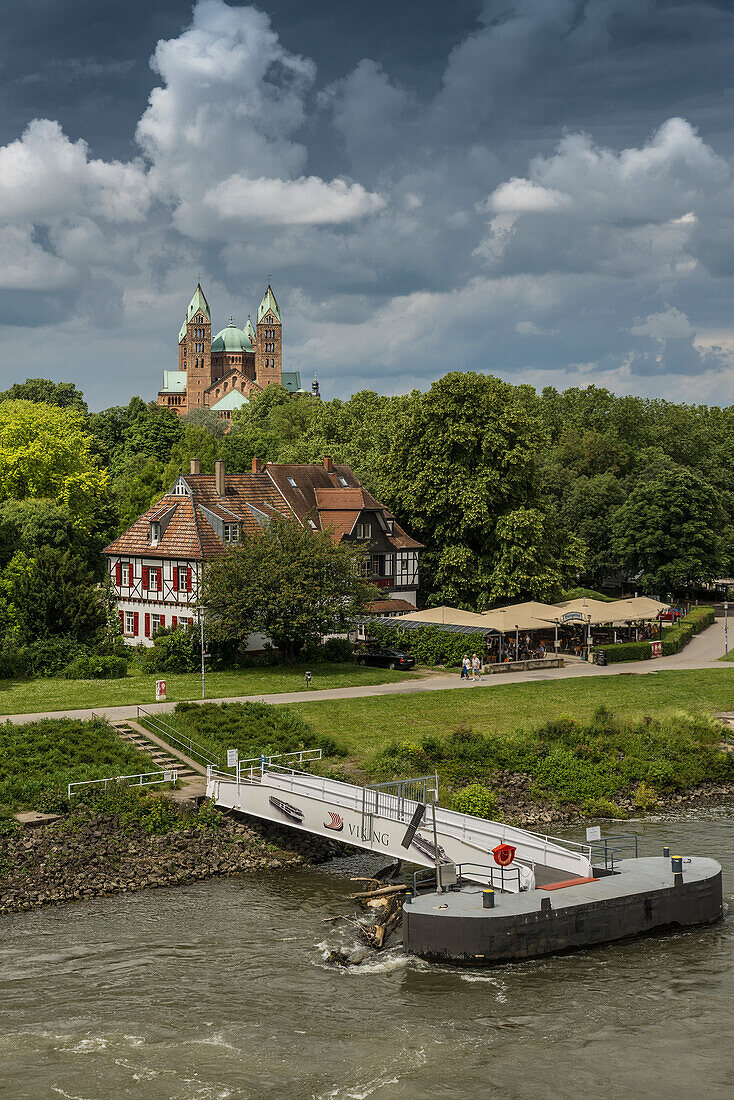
269,348
195,349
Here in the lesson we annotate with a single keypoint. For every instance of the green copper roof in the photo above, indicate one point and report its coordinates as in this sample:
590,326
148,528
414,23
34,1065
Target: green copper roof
174,381
232,400
197,302
267,303
249,329
232,339
291,380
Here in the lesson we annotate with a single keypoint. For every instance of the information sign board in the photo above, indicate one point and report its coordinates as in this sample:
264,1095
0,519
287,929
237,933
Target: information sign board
232,758
593,832
160,690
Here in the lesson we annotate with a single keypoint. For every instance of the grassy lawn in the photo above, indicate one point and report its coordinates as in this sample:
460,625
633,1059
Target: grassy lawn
47,695
364,726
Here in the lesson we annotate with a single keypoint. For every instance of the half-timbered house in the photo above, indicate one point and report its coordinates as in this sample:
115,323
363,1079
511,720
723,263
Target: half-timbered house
156,566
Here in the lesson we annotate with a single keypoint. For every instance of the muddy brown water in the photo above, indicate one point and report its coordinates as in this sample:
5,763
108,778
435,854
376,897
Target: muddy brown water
220,990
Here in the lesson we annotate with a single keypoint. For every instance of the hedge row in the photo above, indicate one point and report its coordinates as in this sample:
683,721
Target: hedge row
429,645
673,638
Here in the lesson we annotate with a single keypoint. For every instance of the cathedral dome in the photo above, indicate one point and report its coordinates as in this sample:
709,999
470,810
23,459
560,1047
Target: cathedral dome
232,340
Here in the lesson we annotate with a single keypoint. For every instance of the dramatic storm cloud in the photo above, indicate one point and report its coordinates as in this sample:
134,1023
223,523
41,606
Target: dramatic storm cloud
537,188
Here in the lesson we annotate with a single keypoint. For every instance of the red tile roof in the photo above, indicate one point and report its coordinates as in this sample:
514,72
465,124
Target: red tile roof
316,496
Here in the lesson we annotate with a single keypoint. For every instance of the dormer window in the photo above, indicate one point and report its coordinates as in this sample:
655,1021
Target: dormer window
363,531
155,533
231,532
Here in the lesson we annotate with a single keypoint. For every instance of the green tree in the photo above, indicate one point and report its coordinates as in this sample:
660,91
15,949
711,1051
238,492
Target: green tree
291,583
669,531
46,452
42,390
463,456
532,561
55,595
137,484
205,418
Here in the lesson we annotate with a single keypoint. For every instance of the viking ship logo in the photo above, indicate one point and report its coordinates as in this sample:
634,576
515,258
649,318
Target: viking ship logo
335,822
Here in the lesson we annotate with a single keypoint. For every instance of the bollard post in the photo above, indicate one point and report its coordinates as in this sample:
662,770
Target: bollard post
677,865
666,852
488,899
545,906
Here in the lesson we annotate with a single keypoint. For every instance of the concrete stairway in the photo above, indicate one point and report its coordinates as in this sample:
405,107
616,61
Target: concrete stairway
163,756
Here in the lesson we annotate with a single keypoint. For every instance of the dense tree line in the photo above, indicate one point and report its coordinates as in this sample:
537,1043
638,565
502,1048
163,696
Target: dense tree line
515,494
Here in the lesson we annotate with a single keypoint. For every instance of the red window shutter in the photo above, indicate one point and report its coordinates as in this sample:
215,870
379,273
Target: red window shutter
145,576
163,620
147,625
174,622
122,621
118,574
188,578
136,623
175,578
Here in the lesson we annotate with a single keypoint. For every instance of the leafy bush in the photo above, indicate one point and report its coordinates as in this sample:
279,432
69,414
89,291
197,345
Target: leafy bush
92,667
645,797
251,728
8,825
574,762
339,650
172,651
429,645
44,657
476,799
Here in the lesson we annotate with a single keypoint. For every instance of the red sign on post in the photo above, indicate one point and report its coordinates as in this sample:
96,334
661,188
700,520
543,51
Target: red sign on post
160,690
657,649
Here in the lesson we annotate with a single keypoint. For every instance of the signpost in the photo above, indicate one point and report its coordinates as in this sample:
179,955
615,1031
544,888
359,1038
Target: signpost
593,832
232,758
160,691
726,629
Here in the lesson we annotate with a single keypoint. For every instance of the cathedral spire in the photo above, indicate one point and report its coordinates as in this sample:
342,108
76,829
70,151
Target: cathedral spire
268,303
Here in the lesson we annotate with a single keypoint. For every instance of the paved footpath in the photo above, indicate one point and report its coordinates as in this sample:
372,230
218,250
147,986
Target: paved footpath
702,651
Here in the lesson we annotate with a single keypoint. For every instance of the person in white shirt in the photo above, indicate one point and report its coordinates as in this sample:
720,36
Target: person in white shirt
475,666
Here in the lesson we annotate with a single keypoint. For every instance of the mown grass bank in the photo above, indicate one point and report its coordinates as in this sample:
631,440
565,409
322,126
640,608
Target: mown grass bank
364,726
47,695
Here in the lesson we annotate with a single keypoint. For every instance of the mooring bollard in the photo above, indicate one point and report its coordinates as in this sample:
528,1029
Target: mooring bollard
677,865
488,899
666,852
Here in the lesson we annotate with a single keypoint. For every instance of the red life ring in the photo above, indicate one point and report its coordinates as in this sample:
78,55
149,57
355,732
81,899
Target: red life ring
503,854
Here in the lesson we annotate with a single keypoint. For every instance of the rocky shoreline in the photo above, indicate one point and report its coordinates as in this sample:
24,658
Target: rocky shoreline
98,857
518,807
51,865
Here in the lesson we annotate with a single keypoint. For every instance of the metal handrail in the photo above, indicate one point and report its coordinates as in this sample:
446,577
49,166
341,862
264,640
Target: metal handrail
185,744
426,873
165,775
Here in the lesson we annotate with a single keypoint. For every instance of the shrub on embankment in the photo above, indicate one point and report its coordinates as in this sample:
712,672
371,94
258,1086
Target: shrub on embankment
251,728
674,638
589,765
39,759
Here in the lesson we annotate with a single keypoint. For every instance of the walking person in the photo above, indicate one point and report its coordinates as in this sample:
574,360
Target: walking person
475,666
465,667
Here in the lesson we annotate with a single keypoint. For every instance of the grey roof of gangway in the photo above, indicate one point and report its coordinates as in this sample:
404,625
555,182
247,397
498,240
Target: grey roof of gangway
638,876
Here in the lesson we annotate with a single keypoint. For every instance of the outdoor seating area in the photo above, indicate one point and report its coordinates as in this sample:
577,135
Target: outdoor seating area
535,631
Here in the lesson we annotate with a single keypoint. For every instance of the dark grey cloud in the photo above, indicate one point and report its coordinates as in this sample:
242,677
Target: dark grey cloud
540,188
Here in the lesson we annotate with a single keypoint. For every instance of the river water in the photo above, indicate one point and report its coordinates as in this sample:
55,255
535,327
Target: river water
220,990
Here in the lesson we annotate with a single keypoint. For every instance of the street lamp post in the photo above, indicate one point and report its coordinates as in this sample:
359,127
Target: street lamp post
726,629
201,627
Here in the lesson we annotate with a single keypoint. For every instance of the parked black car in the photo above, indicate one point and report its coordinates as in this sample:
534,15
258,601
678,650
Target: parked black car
385,658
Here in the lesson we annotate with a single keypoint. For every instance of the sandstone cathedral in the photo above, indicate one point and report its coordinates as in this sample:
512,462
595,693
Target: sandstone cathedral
221,373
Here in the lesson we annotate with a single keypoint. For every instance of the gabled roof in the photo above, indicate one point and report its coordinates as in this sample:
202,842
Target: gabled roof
291,380
191,520
231,401
267,303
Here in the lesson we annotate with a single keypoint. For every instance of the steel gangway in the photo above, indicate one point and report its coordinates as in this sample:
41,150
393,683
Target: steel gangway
280,789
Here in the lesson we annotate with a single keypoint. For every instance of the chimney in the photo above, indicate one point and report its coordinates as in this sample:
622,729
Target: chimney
195,466
329,464
219,476
257,467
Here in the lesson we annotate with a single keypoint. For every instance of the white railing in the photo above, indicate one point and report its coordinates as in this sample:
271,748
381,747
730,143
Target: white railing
142,779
